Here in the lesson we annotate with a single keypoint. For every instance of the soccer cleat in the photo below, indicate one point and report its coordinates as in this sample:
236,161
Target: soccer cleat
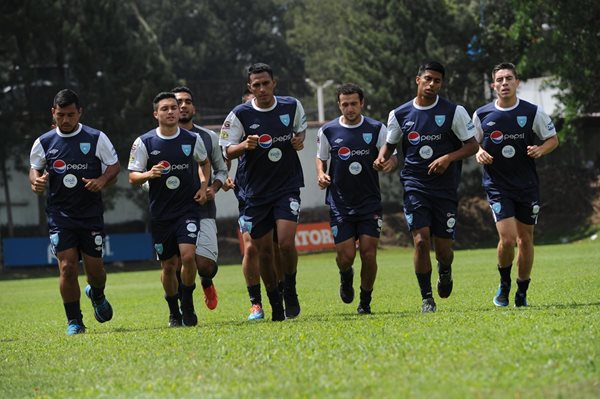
501,298
346,288
364,308
75,326
292,305
256,312
520,299
444,283
188,316
175,320
102,309
428,306
210,297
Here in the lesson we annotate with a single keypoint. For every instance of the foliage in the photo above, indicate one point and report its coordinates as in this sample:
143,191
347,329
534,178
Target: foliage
468,348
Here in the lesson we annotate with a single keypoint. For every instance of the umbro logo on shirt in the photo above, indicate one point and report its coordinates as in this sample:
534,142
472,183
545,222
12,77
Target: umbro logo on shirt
155,152
491,123
255,126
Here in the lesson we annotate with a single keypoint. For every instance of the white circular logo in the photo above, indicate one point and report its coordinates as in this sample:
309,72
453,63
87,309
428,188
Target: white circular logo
451,222
508,151
294,205
379,222
98,240
274,154
355,168
172,182
535,209
426,152
191,227
70,181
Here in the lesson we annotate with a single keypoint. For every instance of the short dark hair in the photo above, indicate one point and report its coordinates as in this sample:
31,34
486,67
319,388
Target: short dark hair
161,96
65,98
349,88
183,89
259,67
432,66
504,65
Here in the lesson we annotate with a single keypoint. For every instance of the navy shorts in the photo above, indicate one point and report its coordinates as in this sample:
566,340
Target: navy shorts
423,210
523,205
346,227
259,219
167,236
90,242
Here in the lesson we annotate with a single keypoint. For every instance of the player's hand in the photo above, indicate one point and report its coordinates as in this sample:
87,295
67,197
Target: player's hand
93,185
251,142
390,165
324,181
438,166
156,171
298,142
200,196
483,157
39,185
379,163
534,151
228,185
210,194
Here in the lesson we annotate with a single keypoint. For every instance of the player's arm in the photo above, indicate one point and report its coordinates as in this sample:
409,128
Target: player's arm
219,166
393,137
323,148
391,163
233,138
138,159
106,179
481,156
544,129
300,126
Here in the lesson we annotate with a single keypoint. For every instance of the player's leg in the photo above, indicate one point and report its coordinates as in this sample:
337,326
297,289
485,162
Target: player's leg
188,282
251,271
507,239
263,244
287,258
170,285
207,252
345,255
286,210
368,271
524,261
443,230
418,214
91,251
68,264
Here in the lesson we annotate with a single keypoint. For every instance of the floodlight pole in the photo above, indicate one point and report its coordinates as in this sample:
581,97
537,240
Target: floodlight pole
319,89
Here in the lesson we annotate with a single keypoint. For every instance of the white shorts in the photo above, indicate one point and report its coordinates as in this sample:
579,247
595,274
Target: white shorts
206,243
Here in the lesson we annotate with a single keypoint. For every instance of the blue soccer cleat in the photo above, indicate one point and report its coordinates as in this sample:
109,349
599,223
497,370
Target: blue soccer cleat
102,310
501,298
75,326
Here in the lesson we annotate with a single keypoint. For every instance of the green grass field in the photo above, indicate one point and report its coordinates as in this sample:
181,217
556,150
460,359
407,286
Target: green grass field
468,349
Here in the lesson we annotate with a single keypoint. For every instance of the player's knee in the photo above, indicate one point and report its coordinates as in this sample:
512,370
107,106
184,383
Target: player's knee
69,270
206,268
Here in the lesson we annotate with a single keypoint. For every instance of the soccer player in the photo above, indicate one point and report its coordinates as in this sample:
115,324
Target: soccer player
167,157
264,134
507,129
75,162
436,135
207,250
351,143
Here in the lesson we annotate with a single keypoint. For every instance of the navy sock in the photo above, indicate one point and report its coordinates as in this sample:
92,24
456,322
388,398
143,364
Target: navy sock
523,285
443,269
347,274
173,302
424,280
73,310
206,282
254,294
179,291
97,293
365,296
187,299
505,275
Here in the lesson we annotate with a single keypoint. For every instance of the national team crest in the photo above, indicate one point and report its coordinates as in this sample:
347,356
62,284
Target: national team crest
368,137
85,147
187,149
285,119
440,119
521,120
